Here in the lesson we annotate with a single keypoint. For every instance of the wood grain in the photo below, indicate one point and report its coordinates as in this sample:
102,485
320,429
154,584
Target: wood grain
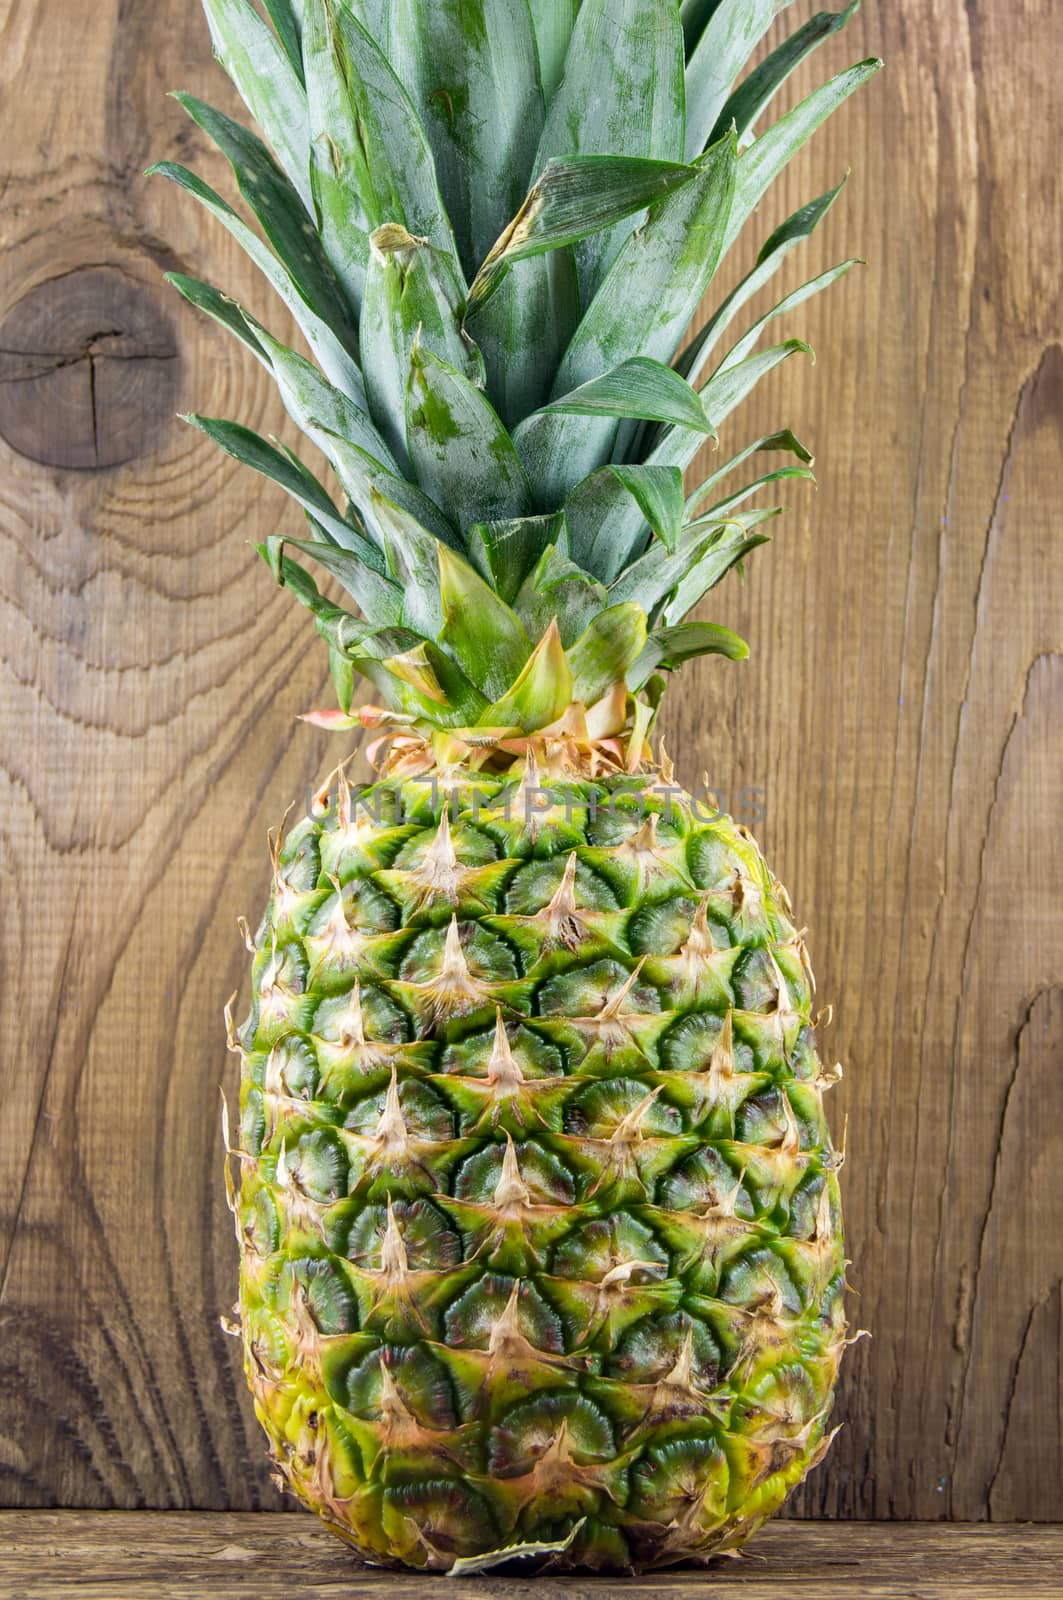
106,1556
902,712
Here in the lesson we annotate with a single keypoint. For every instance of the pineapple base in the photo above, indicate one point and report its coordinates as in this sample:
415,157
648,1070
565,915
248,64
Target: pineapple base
538,1207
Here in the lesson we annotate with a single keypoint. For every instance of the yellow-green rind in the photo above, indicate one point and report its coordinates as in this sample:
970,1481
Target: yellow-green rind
572,1278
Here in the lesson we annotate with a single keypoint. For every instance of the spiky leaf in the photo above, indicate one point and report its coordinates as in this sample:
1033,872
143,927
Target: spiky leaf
753,96
572,199
411,292
372,162
636,110
658,493
505,552
337,362
762,163
479,629
783,440
463,456
553,21
602,654
542,692
472,70
557,588
269,84
667,649
725,45
794,231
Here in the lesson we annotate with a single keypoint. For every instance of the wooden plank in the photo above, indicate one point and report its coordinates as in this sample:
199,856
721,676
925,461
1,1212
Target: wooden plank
901,712
106,1556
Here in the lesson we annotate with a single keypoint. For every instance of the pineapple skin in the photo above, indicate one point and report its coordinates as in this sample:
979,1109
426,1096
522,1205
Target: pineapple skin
538,1208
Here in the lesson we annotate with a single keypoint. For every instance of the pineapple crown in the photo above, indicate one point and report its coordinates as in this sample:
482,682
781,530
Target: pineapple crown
493,222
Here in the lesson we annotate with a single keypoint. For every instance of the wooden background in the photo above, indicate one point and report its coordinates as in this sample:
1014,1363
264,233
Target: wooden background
903,711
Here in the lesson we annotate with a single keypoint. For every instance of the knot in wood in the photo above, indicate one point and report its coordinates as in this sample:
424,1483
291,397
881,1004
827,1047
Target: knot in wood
88,371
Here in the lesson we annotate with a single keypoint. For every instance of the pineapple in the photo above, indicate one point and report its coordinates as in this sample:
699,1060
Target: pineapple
537,1204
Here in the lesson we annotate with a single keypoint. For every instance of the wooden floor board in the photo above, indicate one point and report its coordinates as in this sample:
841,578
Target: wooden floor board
111,1556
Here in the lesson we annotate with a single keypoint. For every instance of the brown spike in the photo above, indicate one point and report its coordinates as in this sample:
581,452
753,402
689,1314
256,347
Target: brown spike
645,841
394,1261
611,1010
391,1134
722,1064
511,1192
561,917
667,768
503,1069
699,945
629,1130
232,1043
352,1023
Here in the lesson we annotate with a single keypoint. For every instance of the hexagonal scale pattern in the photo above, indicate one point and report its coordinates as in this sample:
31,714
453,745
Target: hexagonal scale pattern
538,1207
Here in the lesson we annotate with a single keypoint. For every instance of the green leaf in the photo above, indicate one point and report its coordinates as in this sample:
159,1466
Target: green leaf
411,291
269,85
375,17
525,329
553,21
643,308
658,493
479,629
384,600
290,575
790,302
368,480
358,455
728,387
362,569
286,17
505,552
249,448
783,440
557,588
607,535
667,648
649,580
767,156
472,70
754,95
541,694
602,655
607,515
729,39
425,683
412,554
571,199
723,508
277,206
633,108
348,638
224,311
356,452
321,411
606,524
716,562
794,231
696,16
372,163
463,456
638,388
337,627
335,360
